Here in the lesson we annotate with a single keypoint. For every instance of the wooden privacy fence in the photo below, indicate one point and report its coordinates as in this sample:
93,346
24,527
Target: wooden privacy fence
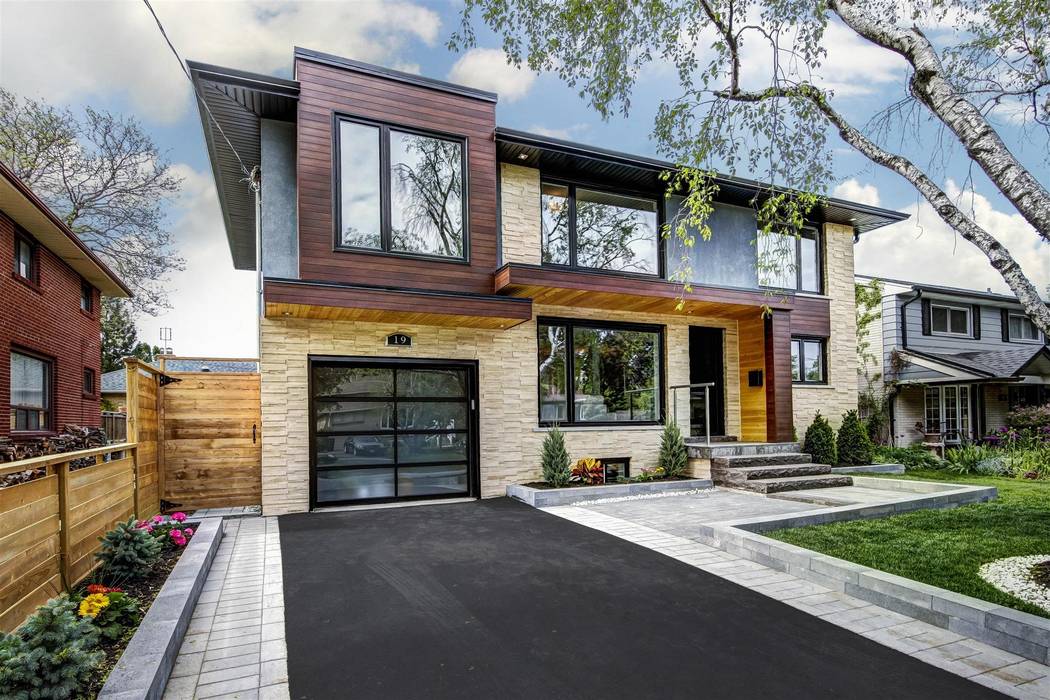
50,526
203,434
115,425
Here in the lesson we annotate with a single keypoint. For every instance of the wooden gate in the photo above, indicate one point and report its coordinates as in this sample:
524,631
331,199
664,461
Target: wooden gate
198,434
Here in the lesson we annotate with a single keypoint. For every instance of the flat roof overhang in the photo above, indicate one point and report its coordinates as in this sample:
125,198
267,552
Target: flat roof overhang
596,290
338,302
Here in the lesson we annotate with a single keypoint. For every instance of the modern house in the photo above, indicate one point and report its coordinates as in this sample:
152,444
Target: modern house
50,329
437,291
955,361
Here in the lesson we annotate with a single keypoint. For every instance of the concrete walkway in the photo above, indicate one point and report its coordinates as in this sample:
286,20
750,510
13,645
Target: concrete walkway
235,645
671,526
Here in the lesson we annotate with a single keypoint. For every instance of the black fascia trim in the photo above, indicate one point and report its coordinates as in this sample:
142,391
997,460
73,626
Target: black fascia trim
254,81
570,389
399,290
390,73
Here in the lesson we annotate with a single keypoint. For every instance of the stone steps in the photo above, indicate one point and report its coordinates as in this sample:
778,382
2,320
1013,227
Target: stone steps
795,483
744,461
773,471
697,450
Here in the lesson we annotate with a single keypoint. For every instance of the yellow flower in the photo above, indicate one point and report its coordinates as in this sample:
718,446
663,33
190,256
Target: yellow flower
93,604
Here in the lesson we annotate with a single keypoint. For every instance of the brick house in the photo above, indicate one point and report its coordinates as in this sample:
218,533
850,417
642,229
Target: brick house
438,291
50,330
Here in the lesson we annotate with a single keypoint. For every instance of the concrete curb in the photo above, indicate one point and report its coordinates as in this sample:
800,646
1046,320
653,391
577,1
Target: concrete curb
1004,628
543,498
870,469
143,669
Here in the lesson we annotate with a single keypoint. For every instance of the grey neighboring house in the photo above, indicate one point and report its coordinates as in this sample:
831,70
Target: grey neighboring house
115,383
956,361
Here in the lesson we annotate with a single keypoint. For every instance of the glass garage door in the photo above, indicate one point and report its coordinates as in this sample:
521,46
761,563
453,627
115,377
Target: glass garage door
387,431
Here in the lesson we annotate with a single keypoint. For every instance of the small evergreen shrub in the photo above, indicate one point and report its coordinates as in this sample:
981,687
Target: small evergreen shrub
555,459
673,457
128,552
51,656
820,441
854,444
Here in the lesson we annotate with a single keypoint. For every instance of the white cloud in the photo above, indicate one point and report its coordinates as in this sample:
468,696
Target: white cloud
107,48
487,69
567,133
213,310
925,249
853,191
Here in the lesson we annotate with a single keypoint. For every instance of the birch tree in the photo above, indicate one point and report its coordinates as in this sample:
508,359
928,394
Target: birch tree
751,98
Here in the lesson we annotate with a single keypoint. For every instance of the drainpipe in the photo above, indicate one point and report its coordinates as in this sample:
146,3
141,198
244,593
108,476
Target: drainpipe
255,183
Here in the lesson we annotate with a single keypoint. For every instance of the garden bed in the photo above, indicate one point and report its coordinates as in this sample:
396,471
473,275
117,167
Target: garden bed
547,496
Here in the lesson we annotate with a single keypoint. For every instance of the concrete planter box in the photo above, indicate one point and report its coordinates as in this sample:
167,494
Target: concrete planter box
143,669
542,498
870,469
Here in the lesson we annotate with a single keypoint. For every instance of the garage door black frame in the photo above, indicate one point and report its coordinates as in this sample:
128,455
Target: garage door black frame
471,370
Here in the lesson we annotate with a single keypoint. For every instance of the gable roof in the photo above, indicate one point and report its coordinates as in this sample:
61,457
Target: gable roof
115,382
995,364
27,210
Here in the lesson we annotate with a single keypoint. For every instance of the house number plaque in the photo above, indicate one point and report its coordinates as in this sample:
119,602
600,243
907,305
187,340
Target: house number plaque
399,339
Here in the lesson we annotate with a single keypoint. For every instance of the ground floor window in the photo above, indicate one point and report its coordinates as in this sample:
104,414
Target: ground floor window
948,411
388,430
30,392
808,364
598,372
1032,395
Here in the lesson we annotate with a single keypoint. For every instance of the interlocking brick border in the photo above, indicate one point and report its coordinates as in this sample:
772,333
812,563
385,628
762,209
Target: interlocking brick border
544,498
1004,628
143,669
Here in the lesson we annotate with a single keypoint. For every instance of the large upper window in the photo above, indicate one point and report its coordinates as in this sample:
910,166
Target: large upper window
30,392
807,361
599,373
401,191
787,261
1022,328
951,320
599,230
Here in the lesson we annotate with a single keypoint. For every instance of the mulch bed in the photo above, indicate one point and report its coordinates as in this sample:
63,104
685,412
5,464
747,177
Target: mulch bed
579,484
145,589
1041,573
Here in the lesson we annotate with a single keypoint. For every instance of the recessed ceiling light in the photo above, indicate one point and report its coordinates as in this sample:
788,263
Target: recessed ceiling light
523,156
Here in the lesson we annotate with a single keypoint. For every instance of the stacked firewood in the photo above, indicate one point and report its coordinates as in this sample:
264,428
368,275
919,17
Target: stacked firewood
72,438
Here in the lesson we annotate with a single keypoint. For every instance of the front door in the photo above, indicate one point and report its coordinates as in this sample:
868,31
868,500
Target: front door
386,430
706,364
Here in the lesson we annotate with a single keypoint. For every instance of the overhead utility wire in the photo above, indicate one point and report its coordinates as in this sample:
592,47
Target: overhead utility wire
250,175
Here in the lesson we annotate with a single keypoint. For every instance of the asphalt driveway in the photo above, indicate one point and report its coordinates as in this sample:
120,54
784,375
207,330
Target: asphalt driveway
494,599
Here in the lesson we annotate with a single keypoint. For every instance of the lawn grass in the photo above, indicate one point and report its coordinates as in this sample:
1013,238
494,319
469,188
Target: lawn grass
944,548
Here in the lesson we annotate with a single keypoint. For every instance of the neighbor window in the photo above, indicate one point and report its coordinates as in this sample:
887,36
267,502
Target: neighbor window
599,230
807,361
87,296
89,381
951,320
30,392
1022,328
787,261
948,411
401,191
591,373
25,265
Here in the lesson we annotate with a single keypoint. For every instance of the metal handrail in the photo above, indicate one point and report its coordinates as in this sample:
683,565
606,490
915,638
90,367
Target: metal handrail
706,386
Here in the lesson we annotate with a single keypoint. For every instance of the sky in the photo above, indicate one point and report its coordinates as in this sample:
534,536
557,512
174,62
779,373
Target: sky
110,55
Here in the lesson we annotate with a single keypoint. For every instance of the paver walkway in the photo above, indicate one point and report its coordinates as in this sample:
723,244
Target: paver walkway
671,526
235,646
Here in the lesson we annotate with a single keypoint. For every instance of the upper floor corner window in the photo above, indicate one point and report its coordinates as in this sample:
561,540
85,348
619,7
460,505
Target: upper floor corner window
808,364
584,228
30,392
787,261
1022,328
87,296
401,191
25,262
950,320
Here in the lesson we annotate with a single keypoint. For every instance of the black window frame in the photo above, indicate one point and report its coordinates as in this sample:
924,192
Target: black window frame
49,394
22,238
89,382
818,239
570,324
802,340
87,297
385,202
573,265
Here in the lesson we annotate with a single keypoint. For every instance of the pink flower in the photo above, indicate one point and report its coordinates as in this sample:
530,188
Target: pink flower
188,532
178,517
158,518
176,534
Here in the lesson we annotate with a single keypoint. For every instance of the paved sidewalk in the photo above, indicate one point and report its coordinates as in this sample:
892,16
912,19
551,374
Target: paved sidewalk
235,645
661,524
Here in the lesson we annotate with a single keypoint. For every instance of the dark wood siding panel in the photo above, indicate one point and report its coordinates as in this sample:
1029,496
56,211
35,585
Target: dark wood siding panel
778,377
811,316
326,89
